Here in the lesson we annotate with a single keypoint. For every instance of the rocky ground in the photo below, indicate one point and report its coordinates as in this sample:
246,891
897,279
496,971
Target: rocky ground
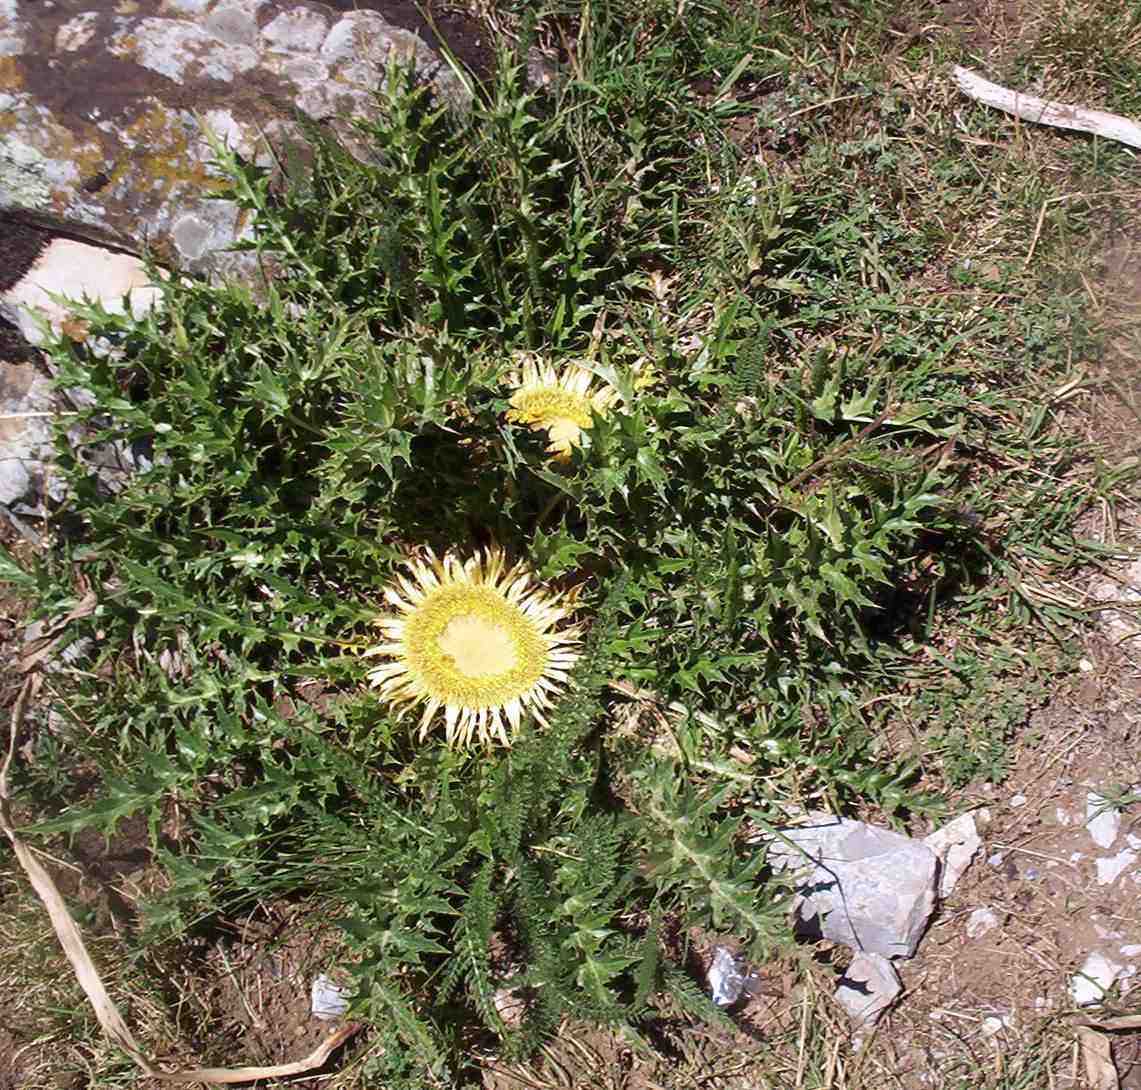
1046,916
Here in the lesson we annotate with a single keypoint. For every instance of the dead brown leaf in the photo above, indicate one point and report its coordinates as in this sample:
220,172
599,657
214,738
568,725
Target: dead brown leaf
39,649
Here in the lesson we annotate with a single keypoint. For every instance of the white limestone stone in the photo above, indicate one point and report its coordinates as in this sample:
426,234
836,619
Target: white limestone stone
868,988
1093,980
299,30
865,886
956,845
981,921
1103,822
77,271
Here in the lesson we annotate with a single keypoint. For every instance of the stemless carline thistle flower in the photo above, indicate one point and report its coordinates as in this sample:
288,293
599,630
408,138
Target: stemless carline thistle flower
476,639
561,403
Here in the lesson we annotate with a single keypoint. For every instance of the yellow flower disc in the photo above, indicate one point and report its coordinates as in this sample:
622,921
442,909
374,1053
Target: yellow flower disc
474,639
560,403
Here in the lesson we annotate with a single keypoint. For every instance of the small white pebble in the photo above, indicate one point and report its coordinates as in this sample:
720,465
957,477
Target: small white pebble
1085,666
1016,801
1110,868
981,921
993,1025
1103,822
996,859
1096,976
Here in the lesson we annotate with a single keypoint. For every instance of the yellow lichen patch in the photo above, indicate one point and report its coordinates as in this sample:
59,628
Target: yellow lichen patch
11,75
164,156
475,639
88,156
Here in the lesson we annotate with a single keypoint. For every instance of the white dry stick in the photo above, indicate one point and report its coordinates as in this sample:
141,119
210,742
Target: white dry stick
1043,112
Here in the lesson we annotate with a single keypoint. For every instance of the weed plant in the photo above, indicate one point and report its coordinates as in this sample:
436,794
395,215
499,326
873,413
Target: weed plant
811,463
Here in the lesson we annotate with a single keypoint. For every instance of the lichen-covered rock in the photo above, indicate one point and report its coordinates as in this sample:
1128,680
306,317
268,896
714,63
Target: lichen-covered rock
11,38
101,111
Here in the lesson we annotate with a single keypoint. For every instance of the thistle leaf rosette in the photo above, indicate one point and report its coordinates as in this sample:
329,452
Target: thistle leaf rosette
561,403
477,640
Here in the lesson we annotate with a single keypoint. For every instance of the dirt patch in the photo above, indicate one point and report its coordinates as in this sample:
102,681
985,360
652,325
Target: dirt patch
996,965
254,987
981,26
239,997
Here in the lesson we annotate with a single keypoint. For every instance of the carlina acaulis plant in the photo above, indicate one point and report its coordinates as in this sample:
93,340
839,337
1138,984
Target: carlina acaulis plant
561,403
476,639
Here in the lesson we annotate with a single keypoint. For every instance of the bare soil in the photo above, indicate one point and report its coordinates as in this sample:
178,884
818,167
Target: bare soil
1038,874
252,988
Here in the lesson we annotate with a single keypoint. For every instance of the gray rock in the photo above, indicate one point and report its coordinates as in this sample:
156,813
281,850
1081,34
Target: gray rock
956,845
868,988
235,22
11,32
300,30
1110,868
857,884
181,48
981,921
995,1024
26,409
101,111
